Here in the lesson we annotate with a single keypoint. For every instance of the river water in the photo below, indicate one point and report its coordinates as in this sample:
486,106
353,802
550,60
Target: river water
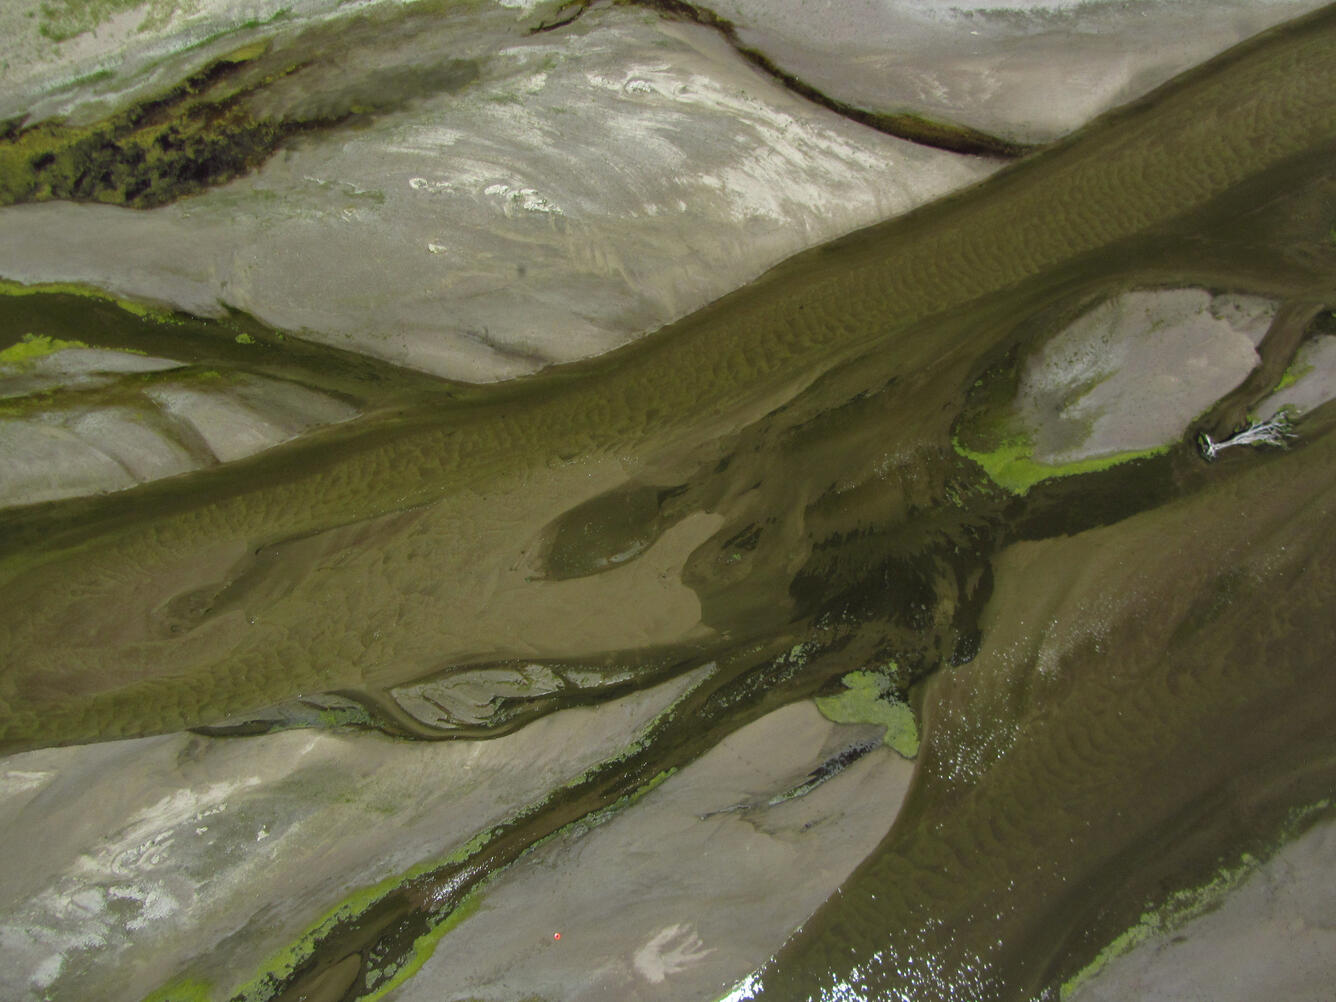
1122,677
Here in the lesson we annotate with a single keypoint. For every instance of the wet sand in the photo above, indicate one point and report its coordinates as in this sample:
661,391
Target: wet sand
1121,674
1272,937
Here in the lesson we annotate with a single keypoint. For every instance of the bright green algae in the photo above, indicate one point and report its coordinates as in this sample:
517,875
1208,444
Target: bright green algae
1012,466
280,969
867,699
1180,907
31,347
138,309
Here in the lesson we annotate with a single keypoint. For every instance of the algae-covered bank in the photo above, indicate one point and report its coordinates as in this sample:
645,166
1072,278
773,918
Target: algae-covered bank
936,616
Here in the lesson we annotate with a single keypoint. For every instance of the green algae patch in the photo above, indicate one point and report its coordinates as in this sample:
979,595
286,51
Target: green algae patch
196,135
283,964
992,433
209,128
249,52
867,699
281,967
35,346
1292,375
1182,907
1188,904
423,947
636,795
141,310
183,990
1013,467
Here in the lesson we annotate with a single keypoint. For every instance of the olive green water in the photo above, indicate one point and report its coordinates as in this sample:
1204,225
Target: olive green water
1111,665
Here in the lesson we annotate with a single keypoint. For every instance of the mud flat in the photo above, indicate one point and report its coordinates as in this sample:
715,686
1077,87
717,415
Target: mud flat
82,420
680,894
1271,937
134,860
1119,669
557,196
1031,70
607,177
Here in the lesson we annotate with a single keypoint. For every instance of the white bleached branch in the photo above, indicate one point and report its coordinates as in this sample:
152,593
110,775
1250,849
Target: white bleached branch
1275,431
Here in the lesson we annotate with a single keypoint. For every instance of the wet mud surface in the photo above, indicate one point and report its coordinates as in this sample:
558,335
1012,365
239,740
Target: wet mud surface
1122,676
913,127
229,117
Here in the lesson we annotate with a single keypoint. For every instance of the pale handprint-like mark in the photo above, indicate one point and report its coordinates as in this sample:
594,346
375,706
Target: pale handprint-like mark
659,957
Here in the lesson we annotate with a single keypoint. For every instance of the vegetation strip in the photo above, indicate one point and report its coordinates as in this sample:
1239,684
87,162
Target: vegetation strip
396,924
205,131
1182,906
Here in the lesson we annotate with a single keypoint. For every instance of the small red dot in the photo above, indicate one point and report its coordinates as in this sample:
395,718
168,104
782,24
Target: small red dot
556,935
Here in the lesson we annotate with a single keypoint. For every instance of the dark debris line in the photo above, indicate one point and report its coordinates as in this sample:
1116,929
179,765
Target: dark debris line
201,133
903,125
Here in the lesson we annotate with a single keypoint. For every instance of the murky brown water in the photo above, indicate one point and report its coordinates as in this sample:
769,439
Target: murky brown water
1122,676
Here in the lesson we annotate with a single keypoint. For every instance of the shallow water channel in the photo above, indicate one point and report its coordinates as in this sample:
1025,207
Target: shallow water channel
1122,677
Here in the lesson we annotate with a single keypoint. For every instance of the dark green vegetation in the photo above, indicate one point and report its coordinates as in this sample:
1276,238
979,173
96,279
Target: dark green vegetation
221,122
236,343
232,115
1122,676
198,134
